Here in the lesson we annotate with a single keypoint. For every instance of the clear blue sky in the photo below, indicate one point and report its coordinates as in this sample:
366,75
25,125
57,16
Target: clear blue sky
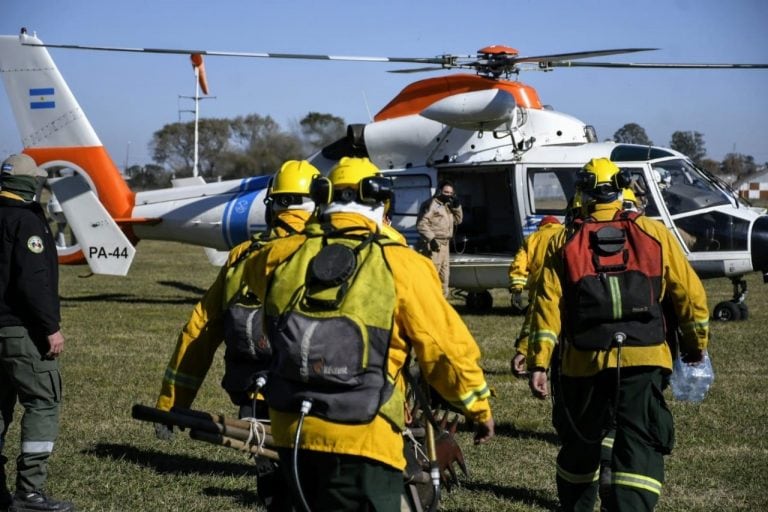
129,96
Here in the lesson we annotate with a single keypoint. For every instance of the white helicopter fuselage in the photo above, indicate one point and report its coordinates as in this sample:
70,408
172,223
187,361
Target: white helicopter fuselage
216,215
511,165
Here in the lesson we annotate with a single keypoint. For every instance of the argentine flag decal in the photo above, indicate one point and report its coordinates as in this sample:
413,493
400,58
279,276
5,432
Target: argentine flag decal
41,98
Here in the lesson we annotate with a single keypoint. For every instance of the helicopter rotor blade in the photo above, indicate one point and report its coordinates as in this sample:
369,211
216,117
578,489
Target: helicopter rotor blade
419,70
555,57
647,65
446,61
442,60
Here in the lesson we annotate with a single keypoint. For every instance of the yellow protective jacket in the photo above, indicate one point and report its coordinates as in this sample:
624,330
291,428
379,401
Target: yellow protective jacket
679,282
423,320
393,234
530,256
203,333
524,271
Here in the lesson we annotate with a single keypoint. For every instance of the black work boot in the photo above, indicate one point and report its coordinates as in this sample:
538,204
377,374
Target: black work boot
36,501
5,498
5,495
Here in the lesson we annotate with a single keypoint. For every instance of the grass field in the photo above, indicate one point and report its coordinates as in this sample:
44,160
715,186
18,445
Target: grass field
120,333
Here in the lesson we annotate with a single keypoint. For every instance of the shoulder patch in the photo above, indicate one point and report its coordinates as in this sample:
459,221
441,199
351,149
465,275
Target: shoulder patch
35,244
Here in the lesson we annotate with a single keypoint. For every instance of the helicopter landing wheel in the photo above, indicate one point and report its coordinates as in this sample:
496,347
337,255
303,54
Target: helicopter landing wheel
744,311
727,312
479,301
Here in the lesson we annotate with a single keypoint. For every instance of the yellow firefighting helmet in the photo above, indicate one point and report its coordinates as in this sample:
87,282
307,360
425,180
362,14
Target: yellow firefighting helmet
350,171
294,177
601,180
352,179
629,195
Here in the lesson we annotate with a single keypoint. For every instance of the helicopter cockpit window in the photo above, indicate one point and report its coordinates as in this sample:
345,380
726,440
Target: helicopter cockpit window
713,231
684,188
410,191
642,192
550,189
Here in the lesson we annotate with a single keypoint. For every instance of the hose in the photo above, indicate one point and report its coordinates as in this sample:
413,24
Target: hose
261,381
306,405
605,489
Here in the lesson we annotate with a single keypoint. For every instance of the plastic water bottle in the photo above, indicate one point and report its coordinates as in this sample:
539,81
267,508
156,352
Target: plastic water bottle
690,382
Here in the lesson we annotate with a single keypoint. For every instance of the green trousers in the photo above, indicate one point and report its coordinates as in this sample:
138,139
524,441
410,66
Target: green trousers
629,440
342,483
27,376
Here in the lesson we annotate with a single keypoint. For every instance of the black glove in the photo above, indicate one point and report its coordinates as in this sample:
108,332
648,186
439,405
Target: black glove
693,356
454,203
163,432
517,301
433,245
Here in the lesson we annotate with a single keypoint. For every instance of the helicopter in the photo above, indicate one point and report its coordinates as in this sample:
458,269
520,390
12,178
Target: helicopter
511,159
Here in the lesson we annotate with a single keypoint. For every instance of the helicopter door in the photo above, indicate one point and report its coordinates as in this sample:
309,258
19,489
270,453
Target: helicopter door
490,225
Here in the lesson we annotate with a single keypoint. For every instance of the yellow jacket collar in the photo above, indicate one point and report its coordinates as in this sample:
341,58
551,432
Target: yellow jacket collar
11,195
350,219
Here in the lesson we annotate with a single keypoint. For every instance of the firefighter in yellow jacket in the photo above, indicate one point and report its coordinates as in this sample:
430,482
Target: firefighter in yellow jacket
344,306
290,206
523,272
597,309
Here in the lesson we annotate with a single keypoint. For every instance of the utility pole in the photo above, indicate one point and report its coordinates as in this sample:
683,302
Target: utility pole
196,112
200,82
127,156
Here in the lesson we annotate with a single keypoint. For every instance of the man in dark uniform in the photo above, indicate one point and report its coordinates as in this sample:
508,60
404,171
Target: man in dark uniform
30,336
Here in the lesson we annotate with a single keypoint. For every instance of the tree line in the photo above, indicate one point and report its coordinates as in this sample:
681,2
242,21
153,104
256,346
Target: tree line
245,146
254,145
735,168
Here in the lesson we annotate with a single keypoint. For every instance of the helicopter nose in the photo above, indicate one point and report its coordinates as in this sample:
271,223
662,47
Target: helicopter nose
760,246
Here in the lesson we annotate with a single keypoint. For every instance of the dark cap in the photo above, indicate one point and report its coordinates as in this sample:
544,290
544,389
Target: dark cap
21,165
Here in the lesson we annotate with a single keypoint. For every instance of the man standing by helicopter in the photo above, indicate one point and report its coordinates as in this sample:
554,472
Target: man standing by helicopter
437,221
30,334
598,304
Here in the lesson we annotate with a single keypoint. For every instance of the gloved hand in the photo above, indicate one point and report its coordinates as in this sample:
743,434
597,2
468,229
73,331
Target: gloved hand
454,202
163,432
693,356
517,302
433,245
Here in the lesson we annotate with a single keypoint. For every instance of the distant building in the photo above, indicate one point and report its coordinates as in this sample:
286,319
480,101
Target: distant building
756,187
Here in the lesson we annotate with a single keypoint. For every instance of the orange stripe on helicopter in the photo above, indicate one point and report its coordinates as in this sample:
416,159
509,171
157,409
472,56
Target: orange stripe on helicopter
419,95
111,188
149,221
